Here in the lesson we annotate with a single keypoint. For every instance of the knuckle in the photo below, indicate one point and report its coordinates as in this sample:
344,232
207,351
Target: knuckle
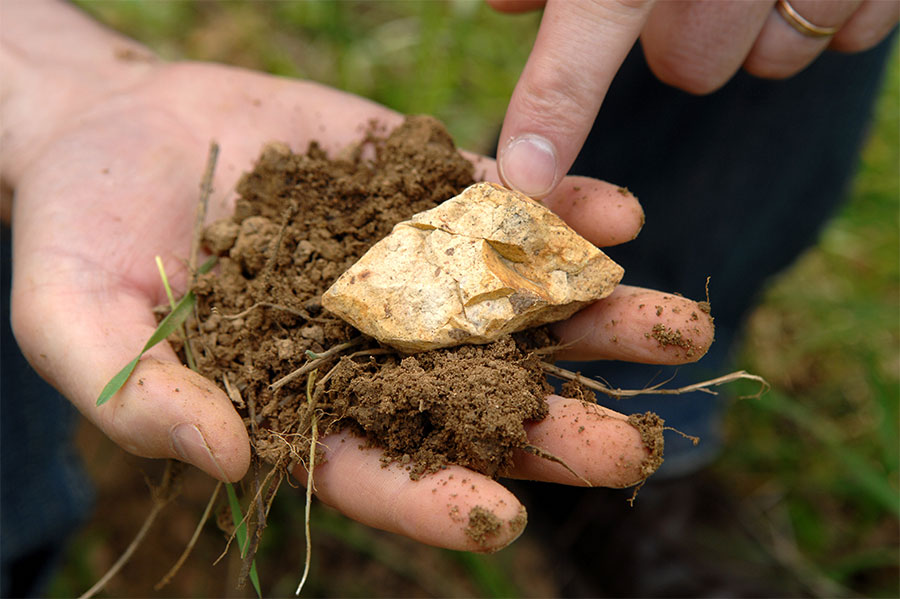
856,40
554,100
769,67
692,74
626,5
620,12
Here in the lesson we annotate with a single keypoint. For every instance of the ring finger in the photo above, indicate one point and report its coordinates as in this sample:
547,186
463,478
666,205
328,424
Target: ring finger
786,45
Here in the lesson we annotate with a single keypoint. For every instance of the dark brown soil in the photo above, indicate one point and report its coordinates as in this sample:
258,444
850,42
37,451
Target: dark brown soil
301,220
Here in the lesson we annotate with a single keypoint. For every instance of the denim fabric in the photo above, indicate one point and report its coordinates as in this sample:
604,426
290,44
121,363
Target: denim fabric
44,494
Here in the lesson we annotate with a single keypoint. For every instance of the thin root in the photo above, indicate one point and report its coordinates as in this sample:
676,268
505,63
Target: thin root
200,214
546,455
190,546
314,363
703,386
314,439
167,490
301,313
693,439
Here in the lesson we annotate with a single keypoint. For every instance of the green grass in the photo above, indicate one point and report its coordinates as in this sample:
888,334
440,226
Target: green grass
818,457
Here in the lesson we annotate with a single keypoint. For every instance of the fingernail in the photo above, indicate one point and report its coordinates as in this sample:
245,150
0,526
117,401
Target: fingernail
517,525
190,445
528,165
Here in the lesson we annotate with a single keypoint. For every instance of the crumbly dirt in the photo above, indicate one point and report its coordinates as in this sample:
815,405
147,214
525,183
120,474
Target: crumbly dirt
575,389
482,524
650,426
666,336
300,221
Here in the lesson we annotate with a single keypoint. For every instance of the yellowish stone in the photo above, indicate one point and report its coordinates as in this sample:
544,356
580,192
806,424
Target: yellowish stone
485,263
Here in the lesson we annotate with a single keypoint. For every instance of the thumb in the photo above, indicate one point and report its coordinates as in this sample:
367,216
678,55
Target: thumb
78,341
578,50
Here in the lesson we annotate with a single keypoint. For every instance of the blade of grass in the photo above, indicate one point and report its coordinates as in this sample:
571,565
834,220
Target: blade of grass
240,531
867,478
165,280
166,327
207,265
187,346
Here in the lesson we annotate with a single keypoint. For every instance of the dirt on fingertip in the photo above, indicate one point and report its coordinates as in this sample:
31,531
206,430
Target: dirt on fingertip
482,525
651,427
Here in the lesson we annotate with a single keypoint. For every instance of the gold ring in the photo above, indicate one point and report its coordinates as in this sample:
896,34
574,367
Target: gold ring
798,22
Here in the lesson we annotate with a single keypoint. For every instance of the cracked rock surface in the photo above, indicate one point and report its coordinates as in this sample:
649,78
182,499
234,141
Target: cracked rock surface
483,264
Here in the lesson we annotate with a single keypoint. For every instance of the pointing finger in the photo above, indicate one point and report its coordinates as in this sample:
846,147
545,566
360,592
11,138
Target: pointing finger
578,50
603,213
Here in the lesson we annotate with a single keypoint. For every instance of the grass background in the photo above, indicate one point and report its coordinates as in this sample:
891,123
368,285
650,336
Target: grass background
816,461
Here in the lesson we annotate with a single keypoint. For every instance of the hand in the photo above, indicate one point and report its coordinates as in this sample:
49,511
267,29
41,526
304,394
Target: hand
107,178
695,46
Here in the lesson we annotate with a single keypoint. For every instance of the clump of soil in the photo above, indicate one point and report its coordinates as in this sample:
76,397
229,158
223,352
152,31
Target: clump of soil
482,524
450,406
300,221
650,426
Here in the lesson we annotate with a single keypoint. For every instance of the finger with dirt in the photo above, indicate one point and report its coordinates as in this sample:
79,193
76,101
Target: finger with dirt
454,508
581,443
638,325
603,213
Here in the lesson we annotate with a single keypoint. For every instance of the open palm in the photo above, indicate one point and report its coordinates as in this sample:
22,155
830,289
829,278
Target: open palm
118,184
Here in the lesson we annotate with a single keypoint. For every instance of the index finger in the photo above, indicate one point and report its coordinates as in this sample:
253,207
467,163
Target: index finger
603,213
579,48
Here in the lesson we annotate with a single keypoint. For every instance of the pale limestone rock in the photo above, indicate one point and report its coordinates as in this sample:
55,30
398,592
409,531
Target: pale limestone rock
485,263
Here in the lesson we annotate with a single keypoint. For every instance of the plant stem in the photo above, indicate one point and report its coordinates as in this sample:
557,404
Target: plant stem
200,214
656,389
190,546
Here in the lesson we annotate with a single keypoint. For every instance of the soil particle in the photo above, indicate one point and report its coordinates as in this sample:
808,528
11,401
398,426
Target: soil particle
482,524
667,336
650,426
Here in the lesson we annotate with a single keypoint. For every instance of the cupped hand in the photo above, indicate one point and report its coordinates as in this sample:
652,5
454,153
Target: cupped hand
116,182
693,45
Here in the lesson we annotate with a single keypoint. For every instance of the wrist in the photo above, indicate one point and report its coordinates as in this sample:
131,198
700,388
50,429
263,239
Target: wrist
55,64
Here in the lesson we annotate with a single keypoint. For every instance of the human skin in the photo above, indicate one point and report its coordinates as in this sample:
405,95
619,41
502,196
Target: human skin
695,46
104,146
